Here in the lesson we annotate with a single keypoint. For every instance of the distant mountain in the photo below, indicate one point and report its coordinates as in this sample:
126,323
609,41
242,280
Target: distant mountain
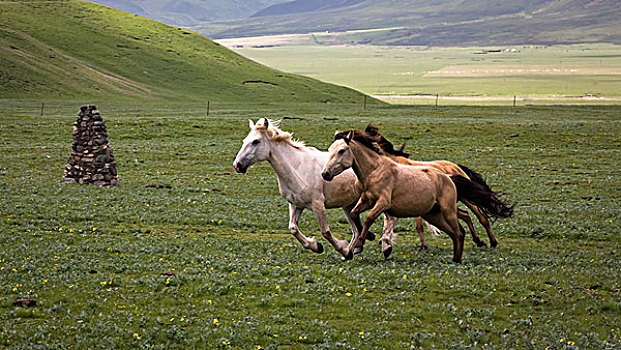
299,6
81,50
436,22
190,12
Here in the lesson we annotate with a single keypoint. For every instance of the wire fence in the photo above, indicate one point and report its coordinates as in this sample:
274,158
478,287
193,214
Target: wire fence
439,100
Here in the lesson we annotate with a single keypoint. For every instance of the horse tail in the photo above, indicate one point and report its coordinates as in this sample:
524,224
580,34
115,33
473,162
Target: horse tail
483,197
474,176
434,230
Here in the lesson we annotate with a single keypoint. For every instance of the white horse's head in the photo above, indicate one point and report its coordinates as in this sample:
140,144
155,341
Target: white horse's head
340,158
255,147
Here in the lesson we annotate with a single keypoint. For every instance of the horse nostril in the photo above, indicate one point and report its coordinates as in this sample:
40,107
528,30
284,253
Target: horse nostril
327,176
239,168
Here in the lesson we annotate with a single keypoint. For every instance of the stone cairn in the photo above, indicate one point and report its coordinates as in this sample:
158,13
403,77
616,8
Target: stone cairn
92,159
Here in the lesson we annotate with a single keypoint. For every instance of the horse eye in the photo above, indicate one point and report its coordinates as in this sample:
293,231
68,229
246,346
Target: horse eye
341,151
255,142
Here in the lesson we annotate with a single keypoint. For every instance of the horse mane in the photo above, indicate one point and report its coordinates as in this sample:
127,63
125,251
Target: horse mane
373,132
360,136
277,135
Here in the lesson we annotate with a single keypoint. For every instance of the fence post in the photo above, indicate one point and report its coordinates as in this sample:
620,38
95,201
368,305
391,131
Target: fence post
514,97
208,107
365,102
437,98
42,108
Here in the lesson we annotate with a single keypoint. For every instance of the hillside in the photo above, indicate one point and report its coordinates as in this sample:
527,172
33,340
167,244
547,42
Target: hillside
437,22
189,12
89,50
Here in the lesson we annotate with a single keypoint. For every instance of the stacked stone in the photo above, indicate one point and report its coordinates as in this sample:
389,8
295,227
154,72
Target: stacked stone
92,158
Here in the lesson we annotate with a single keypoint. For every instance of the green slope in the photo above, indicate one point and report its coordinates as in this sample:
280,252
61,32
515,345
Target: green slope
80,49
439,22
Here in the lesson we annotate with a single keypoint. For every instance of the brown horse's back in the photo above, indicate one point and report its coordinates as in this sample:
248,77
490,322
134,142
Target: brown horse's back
444,166
417,189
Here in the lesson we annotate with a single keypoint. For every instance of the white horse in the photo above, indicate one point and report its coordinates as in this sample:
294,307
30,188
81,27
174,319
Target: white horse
298,169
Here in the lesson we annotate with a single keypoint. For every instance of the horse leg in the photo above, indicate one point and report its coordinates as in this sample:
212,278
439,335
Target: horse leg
386,223
356,225
375,212
448,223
320,213
354,222
484,222
294,217
361,206
420,230
463,215
387,234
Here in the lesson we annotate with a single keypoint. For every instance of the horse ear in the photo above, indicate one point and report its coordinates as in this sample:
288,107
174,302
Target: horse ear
402,147
349,137
371,129
260,124
267,123
337,132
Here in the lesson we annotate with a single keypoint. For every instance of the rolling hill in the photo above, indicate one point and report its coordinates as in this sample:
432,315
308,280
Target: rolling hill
437,22
188,12
79,49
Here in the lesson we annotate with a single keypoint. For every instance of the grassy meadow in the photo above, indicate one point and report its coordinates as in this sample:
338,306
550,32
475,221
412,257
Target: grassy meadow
209,262
534,74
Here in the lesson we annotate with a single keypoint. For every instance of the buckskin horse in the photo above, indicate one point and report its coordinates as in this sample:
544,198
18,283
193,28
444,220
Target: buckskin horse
399,156
404,190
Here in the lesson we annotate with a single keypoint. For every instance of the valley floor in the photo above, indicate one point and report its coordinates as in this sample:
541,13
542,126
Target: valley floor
569,74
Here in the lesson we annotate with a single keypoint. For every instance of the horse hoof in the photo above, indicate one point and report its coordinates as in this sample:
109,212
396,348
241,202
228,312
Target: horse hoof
387,252
358,250
493,244
481,244
370,236
319,248
349,256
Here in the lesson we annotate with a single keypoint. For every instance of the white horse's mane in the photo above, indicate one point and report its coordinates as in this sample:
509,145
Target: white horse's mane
276,134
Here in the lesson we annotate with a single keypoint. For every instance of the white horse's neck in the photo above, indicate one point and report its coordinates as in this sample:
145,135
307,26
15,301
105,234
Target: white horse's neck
290,163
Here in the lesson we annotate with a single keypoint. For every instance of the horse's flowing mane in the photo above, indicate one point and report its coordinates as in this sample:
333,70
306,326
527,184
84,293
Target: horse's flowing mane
387,146
276,134
360,136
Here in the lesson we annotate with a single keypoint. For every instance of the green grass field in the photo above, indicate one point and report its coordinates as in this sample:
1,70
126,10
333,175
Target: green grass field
209,263
551,73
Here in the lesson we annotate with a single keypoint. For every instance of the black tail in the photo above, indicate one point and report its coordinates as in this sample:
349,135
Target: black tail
474,176
481,196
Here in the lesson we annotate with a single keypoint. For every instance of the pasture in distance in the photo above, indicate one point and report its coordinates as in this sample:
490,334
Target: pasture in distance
210,263
460,75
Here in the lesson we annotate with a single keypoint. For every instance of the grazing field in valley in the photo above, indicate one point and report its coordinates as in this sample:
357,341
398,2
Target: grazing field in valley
204,259
534,74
